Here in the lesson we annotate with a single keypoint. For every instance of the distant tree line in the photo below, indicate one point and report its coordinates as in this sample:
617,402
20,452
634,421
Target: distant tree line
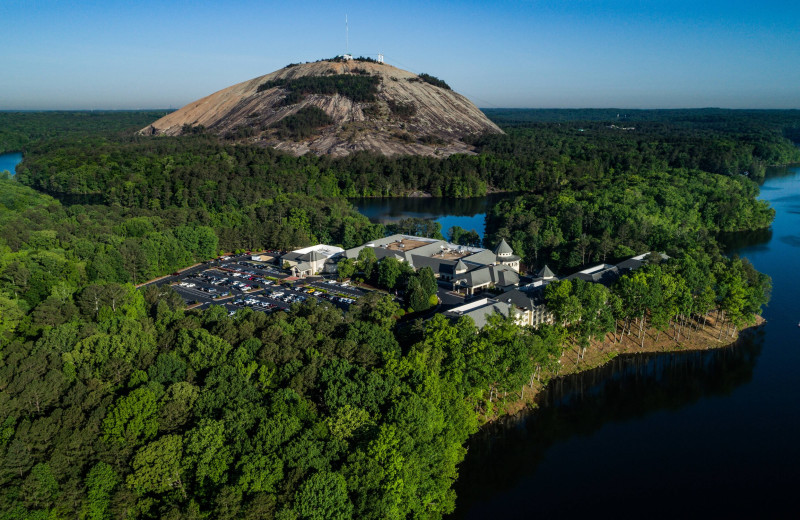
18,130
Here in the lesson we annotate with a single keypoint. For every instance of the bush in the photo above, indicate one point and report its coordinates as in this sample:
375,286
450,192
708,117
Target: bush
359,88
433,80
302,123
403,110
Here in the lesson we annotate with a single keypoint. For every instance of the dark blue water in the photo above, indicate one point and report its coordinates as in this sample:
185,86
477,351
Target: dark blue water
9,161
714,433
469,214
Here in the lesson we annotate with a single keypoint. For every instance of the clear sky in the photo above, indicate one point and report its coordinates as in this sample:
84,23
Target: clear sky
543,54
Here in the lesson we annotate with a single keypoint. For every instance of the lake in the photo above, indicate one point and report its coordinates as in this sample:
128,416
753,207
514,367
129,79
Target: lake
469,214
713,433
9,161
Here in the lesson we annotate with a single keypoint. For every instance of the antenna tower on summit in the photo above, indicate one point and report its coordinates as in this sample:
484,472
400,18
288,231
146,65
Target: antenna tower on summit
347,55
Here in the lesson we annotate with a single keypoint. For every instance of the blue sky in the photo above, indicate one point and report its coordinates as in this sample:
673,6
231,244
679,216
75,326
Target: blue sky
542,54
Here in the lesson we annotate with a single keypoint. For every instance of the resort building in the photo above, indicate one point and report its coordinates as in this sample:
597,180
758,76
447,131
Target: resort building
527,303
312,260
460,268
480,310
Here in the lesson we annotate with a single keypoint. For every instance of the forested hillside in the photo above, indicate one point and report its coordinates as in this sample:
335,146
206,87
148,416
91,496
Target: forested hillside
119,403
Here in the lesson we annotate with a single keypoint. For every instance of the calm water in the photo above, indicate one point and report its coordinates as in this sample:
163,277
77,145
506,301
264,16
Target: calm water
714,433
470,214
9,161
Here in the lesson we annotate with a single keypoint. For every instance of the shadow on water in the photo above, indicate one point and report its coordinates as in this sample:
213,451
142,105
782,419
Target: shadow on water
628,388
395,208
738,240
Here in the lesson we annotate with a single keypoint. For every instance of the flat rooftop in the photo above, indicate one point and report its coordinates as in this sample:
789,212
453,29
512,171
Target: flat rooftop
406,244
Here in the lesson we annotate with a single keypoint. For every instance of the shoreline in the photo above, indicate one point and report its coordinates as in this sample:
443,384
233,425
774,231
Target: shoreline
600,353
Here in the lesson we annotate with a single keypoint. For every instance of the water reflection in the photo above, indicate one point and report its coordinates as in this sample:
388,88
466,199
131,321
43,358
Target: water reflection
395,208
630,387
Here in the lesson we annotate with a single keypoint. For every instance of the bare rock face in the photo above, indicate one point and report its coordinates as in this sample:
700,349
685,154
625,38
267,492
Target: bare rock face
404,115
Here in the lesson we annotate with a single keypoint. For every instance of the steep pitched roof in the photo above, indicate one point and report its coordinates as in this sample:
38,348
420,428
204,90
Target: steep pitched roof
503,276
545,272
503,248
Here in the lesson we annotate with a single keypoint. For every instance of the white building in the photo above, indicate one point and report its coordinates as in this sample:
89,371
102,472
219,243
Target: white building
312,260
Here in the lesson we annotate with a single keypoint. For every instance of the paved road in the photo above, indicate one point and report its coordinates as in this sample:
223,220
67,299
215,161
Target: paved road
449,299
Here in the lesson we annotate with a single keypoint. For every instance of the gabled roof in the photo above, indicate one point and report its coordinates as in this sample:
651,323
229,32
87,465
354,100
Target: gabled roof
315,256
460,266
476,277
437,265
484,257
524,298
504,277
503,248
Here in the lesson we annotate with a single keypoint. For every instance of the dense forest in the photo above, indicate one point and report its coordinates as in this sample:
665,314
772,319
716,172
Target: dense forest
20,129
120,403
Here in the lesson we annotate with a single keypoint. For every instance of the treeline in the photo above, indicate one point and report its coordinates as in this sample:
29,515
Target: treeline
538,159
673,297
357,87
18,130
732,119
625,216
588,149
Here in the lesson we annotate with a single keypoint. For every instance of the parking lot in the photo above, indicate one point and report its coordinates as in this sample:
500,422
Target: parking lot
237,283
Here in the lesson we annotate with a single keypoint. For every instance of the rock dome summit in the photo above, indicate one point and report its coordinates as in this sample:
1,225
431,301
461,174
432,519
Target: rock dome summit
337,107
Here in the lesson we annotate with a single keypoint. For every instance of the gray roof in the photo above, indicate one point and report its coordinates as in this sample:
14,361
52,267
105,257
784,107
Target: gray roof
498,275
508,258
315,256
475,278
436,264
545,272
480,315
485,257
606,277
303,266
503,248
504,277
525,298
292,256
460,266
